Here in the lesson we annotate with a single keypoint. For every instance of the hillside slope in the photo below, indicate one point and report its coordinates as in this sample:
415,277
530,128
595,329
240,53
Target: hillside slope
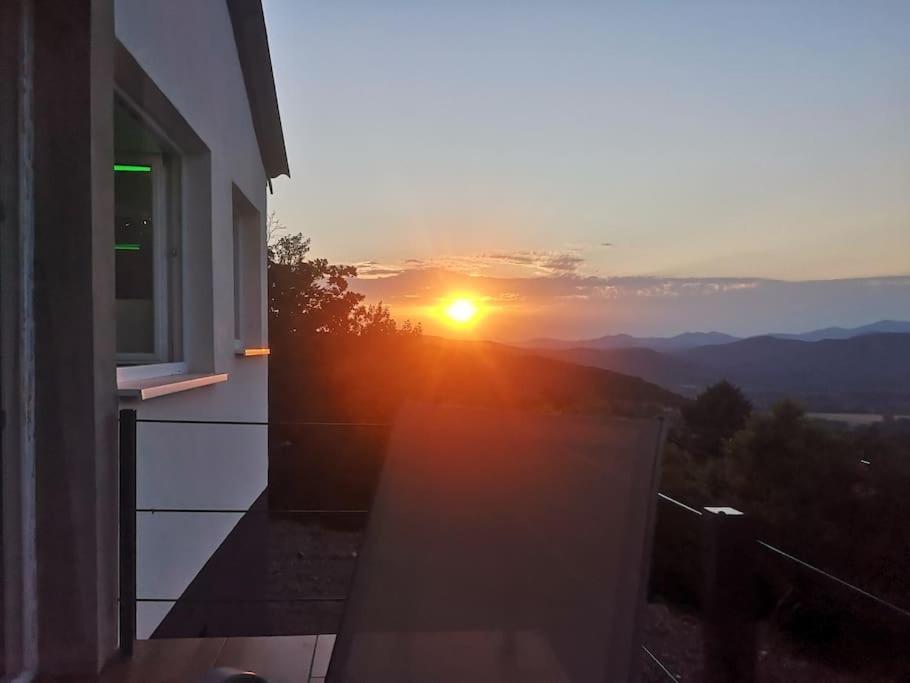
691,340
667,370
880,327
866,373
365,379
482,372
686,340
872,362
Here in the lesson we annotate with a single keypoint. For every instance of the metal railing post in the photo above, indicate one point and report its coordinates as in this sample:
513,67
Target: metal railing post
127,530
729,599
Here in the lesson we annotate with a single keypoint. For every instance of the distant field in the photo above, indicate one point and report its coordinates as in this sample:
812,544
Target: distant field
855,418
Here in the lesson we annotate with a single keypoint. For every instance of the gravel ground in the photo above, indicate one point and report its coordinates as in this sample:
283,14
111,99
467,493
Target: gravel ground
312,559
674,637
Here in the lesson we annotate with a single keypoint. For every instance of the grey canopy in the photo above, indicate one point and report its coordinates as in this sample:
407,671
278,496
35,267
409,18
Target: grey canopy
503,546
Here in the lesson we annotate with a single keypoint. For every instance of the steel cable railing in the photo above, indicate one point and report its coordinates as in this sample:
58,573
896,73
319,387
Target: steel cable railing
339,598
129,597
846,584
806,565
660,665
688,508
727,611
241,511
256,423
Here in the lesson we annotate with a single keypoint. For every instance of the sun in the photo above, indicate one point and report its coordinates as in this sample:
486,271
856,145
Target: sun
461,311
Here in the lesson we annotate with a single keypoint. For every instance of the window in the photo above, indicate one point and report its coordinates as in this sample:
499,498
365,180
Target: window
249,260
140,285
238,276
142,242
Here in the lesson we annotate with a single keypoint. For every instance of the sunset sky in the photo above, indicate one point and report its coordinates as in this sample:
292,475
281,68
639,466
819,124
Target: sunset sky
589,168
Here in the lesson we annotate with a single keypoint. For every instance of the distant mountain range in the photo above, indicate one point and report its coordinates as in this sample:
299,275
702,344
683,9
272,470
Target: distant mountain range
686,340
689,340
863,369
881,327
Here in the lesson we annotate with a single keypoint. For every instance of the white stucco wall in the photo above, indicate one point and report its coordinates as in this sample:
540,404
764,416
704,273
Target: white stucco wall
188,50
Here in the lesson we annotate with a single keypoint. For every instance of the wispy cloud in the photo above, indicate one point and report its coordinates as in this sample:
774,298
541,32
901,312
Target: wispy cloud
369,270
544,262
550,295
521,263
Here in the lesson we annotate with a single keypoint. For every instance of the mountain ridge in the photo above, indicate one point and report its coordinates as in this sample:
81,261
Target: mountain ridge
865,373
688,340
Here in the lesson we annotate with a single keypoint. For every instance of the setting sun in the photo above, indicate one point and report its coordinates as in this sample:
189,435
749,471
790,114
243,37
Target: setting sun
461,310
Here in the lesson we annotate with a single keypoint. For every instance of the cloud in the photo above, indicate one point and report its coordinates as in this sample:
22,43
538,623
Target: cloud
505,263
550,277
368,270
551,297
545,262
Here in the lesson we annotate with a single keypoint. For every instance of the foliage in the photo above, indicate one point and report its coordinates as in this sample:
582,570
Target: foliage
309,297
716,415
803,482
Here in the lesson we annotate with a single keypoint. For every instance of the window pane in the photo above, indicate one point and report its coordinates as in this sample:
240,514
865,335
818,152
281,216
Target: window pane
135,285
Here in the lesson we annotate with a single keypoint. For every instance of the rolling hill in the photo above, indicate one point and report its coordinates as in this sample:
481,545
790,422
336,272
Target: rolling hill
865,373
665,369
690,340
870,362
880,327
686,340
367,379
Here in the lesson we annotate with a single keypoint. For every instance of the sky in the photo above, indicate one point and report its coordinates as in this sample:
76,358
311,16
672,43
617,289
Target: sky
589,168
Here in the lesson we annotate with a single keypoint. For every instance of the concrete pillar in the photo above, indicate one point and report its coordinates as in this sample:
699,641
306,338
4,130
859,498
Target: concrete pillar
75,398
18,635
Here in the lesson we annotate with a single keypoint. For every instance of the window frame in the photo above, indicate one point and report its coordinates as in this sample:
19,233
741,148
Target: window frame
161,251
249,266
239,299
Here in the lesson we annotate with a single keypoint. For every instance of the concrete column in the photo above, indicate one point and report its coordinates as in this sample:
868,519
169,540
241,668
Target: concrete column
75,404
18,633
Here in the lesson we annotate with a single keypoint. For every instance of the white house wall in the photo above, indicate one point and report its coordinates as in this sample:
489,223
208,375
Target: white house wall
188,50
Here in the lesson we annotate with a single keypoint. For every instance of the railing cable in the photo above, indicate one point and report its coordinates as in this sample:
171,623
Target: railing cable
846,584
255,423
238,511
680,504
660,665
244,601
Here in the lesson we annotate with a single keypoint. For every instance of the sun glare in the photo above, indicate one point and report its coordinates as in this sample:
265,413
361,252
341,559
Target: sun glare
461,311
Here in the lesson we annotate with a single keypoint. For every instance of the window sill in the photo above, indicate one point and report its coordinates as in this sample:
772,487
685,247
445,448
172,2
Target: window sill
153,387
149,371
247,353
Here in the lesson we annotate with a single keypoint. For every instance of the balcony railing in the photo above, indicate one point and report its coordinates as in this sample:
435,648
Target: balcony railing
725,549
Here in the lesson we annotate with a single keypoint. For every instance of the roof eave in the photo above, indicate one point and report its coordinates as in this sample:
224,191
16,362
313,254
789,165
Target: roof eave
250,35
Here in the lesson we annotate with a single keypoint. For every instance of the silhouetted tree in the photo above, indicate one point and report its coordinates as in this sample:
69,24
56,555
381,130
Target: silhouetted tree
309,297
788,465
332,355
714,416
